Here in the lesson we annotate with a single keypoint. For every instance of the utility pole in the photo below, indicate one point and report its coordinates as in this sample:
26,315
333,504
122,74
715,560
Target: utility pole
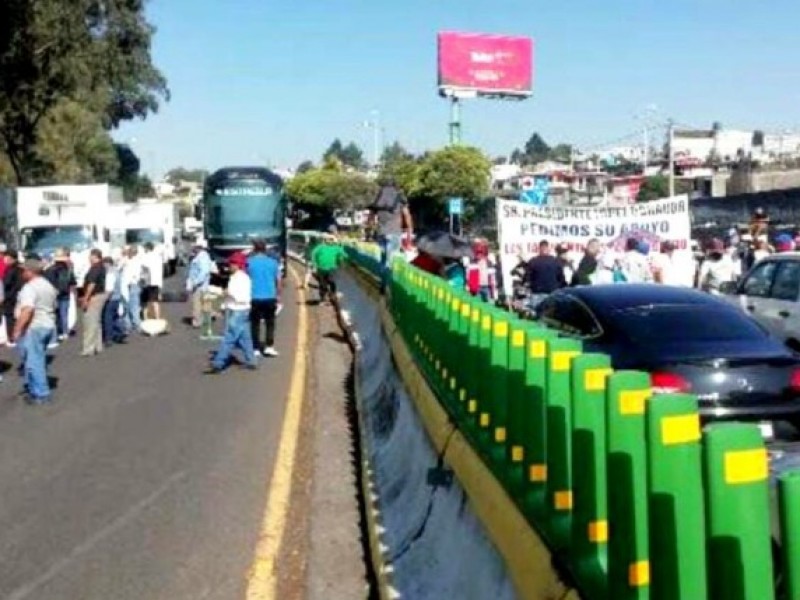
671,145
455,121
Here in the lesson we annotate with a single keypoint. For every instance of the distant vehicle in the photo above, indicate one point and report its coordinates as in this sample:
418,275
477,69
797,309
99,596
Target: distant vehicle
688,341
770,292
239,205
146,221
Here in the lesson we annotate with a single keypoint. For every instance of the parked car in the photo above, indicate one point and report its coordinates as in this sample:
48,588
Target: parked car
688,341
770,292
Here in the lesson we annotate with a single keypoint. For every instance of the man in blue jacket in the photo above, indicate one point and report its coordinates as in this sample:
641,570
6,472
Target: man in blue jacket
265,273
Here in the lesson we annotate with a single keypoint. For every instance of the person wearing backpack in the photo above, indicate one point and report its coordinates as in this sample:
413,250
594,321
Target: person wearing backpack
392,220
61,276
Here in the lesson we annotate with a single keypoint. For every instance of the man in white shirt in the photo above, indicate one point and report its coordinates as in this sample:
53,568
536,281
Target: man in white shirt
236,305
154,281
635,266
131,274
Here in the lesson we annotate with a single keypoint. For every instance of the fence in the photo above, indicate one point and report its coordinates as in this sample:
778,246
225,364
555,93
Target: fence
623,485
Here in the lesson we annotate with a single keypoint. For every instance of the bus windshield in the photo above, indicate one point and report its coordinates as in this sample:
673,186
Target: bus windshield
237,214
45,240
142,236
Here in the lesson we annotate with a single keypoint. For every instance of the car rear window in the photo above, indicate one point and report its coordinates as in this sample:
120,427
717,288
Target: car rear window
695,323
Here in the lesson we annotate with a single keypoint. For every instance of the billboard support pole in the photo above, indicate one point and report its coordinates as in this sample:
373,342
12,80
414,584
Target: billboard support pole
455,121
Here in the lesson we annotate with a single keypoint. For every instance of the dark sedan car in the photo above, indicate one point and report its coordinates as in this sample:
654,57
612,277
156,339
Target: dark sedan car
690,342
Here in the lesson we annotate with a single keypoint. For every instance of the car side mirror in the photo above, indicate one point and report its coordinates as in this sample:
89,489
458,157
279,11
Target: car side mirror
728,287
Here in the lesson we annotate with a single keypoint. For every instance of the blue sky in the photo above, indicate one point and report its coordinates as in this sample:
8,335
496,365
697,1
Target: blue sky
274,81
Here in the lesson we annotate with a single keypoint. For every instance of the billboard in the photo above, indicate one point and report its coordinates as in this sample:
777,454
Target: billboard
486,65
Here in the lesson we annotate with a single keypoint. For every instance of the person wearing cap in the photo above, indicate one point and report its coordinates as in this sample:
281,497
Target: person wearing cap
62,277
198,279
35,328
562,255
92,303
238,297
265,274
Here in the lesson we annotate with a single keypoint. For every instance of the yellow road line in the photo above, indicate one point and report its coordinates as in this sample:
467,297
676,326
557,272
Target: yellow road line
262,581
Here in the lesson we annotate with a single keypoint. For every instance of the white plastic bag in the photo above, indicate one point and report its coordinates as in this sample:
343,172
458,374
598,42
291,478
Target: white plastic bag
3,332
72,313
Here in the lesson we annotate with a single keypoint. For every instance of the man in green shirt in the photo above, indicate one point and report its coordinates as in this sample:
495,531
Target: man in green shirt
326,258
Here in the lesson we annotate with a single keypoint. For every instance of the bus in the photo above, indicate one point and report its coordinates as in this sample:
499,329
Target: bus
239,205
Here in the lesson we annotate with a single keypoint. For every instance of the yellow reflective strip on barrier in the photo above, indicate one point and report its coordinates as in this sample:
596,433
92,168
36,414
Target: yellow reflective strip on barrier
537,349
462,395
746,466
476,315
594,380
500,435
472,407
484,421
452,383
563,500
537,473
518,339
560,361
501,329
517,454
456,304
639,574
680,429
632,402
465,310
438,364
486,323
598,532
444,373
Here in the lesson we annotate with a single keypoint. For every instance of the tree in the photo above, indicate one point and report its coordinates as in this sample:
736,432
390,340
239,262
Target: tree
304,167
332,189
517,157
350,155
53,51
395,153
653,188
536,149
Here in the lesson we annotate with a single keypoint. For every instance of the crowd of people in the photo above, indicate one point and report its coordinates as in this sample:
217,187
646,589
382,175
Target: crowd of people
41,299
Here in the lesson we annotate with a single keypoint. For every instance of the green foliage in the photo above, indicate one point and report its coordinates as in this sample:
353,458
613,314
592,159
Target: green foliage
349,156
331,188
304,167
395,153
653,188
54,53
536,149
459,171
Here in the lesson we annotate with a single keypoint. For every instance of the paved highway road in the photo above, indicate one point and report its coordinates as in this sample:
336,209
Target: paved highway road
145,480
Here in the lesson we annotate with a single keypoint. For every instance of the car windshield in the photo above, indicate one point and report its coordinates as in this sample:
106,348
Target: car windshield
45,240
685,324
142,236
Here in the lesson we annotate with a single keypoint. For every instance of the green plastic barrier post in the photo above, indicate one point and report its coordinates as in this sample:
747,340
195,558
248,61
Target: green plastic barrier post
590,511
558,470
738,517
518,409
628,553
497,402
469,393
789,507
483,379
675,500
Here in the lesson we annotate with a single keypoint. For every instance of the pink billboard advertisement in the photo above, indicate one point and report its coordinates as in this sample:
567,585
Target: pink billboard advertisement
495,65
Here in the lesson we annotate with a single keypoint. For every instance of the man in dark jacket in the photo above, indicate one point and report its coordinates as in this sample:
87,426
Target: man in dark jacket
12,284
588,264
545,273
61,276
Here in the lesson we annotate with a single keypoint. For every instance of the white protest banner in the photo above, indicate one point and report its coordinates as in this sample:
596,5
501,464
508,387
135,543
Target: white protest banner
522,226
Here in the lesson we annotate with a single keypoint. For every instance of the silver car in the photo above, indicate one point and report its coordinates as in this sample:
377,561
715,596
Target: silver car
770,292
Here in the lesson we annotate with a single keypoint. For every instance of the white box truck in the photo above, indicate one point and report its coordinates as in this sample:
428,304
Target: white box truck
68,216
147,220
